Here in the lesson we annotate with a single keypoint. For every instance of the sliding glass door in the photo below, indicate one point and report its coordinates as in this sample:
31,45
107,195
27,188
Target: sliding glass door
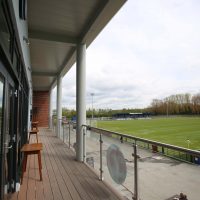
7,136
2,94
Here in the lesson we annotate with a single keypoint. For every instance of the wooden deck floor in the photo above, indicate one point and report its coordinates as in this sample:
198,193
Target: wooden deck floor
63,177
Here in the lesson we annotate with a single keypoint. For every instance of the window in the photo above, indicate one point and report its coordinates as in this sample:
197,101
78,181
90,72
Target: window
16,60
1,111
5,36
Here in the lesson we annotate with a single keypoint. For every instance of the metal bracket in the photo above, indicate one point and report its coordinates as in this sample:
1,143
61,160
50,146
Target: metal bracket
10,147
16,93
14,138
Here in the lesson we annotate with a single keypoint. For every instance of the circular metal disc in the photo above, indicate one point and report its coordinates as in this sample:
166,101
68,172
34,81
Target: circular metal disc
116,164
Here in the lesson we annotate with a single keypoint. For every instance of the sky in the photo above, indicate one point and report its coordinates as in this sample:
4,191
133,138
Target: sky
149,50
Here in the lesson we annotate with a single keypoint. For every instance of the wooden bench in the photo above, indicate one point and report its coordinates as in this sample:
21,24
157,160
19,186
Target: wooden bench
33,132
30,149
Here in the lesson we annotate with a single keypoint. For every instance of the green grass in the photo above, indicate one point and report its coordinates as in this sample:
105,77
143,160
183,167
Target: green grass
172,130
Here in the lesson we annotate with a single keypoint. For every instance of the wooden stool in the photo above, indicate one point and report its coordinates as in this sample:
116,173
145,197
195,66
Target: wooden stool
30,149
34,125
33,132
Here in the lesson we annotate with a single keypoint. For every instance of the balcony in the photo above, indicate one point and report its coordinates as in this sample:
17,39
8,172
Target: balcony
161,173
63,177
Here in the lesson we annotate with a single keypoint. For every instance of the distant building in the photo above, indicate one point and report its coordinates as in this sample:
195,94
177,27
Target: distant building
130,115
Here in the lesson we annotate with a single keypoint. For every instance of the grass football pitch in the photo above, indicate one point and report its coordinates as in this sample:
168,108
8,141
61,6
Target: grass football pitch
179,131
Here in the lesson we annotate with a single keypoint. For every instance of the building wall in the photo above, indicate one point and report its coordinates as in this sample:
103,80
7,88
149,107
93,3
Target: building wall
40,109
21,31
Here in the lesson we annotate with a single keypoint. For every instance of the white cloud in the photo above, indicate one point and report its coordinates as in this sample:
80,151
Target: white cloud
149,50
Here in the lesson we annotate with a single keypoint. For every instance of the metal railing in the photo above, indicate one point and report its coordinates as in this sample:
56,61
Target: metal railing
176,152
158,147
95,155
155,148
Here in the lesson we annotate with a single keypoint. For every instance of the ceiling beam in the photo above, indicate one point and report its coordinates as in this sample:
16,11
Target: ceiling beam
35,73
40,35
67,64
103,13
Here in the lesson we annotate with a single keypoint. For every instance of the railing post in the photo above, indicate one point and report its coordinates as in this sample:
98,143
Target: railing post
135,197
52,123
101,158
63,125
163,150
84,150
69,135
58,128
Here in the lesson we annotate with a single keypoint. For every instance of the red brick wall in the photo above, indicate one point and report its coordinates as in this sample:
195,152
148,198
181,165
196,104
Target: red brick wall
40,110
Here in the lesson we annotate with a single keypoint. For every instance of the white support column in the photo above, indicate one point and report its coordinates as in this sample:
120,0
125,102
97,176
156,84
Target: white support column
59,104
50,109
30,100
80,99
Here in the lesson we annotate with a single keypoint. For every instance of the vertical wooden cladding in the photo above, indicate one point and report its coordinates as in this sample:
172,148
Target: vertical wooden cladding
40,111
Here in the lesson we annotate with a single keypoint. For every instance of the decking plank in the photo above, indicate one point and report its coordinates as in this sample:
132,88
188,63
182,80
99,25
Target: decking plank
22,195
99,190
86,182
89,179
38,184
13,196
52,176
70,165
31,192
48,195
63,177
95,188
71,188
59,177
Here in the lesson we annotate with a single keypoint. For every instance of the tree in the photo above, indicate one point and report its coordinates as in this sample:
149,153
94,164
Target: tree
177,104
196,104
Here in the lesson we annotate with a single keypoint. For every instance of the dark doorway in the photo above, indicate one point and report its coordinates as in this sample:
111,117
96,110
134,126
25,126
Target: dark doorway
7,136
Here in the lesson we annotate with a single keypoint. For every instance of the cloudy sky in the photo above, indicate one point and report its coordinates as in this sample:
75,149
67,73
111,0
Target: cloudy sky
150,49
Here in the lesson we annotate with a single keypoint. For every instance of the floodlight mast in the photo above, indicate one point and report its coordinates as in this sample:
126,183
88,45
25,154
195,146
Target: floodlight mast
92,95
167,109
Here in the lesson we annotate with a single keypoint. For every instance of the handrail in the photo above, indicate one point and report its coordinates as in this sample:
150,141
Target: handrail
169,146
134,140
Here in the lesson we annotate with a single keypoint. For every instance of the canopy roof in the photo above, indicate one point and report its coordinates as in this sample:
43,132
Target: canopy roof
56,27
